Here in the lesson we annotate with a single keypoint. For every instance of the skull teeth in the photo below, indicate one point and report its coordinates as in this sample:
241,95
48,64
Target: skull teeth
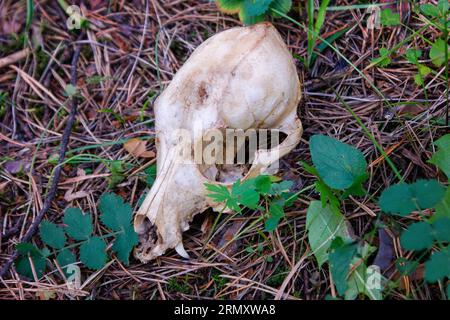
181,251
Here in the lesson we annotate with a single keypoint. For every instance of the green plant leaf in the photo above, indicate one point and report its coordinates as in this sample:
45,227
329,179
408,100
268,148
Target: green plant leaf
443,207
263,184
280,5
52,235
417,237
249,20
429,10
255,8
438,266
340,258
402,198
389,18
441,229
338,164
437,52
26,251
78,225
124,243
427,193
150,175
115,213
245,193
220,193
276,214
360,282
65,257
277,189
93,253
441,158
406,267
117,170
413,55
423,72
26,248
321,14
443,6
229,6
326,194
383,60
23,266
323,225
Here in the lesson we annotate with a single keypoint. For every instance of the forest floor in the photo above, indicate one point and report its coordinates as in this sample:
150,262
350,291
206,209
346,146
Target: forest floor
129,53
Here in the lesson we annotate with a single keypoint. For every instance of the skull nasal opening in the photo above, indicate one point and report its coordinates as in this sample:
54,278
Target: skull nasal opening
226,155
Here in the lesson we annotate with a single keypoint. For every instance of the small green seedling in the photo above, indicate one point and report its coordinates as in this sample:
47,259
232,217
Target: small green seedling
116,216
251,11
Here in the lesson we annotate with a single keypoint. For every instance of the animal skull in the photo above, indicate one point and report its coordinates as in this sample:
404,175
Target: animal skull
242,78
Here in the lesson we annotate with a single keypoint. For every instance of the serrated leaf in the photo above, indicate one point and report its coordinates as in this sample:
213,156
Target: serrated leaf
70,90
78,225
441,158
406,267
383,60
413,55
340,258
441,229
417,237
65,257
150,175
402,198
323,225
389,18
263,184
338,164
220,193
115,213
443,6
271,223
282,6
93,253
52,235
427,193
277,189
438,267
23,266
249,20
124,244
437,52
255,8
229,6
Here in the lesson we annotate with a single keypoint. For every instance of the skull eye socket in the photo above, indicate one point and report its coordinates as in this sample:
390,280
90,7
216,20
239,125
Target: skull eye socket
228,154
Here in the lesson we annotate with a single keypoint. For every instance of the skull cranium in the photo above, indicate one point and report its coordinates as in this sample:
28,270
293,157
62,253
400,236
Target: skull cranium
242,78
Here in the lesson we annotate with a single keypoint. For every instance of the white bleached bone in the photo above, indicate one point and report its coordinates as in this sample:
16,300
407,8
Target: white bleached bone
242,78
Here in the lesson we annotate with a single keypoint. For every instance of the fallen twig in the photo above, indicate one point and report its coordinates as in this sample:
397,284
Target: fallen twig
15,57
62,153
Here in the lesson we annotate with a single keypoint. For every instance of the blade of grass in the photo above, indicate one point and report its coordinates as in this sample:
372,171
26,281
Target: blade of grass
30,13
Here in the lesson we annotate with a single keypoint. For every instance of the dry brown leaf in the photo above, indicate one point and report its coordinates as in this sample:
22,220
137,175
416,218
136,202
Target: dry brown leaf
70,195
138,148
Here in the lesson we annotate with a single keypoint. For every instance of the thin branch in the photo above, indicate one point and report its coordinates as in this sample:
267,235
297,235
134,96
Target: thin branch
62,153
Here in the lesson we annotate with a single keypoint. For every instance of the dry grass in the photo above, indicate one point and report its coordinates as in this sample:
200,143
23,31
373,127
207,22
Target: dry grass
134,64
